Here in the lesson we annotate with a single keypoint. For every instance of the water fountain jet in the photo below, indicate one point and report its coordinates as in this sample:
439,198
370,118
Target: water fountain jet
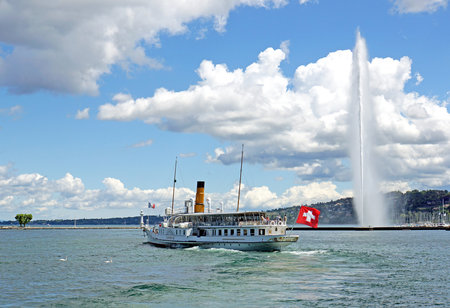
367,199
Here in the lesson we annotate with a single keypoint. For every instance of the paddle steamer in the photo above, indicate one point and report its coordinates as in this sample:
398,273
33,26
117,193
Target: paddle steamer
193,226
234,230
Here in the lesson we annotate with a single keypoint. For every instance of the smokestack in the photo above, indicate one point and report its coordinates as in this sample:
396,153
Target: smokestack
200,197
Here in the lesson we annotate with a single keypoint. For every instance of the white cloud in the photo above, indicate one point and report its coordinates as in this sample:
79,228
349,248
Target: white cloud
419,79
418,6
66,46
186,155
301,123
142,144
69,186
82,114
284,46
261,198
35,193
13,111
306,1
6,200
395,186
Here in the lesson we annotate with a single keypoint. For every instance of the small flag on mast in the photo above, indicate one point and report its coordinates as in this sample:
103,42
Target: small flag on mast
151,206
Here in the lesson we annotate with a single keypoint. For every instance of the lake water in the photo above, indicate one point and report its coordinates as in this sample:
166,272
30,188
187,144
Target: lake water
325,268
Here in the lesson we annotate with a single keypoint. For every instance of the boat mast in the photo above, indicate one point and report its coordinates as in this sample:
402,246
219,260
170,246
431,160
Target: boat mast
174,181
240,178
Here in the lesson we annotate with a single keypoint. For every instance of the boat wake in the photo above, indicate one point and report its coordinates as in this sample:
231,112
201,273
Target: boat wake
227,250
192,248
305,253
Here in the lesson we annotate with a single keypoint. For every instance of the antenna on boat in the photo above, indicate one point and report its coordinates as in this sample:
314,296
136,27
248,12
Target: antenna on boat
240,178
174,181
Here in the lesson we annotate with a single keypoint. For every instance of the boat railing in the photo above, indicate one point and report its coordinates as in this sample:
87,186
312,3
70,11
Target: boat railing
239,223
273,222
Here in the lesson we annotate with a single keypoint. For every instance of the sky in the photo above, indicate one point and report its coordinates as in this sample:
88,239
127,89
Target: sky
98,98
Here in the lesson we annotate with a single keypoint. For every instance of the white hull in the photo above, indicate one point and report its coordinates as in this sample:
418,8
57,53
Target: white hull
239,231
254,243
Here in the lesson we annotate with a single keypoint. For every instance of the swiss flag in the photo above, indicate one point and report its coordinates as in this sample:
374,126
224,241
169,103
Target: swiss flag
308,216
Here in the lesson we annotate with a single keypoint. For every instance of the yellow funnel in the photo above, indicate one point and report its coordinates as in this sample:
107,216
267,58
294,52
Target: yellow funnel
200,197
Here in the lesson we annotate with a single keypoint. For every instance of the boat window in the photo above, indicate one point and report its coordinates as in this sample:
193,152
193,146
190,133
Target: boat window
231,232
262,231
225,232
276,229
238,232
220,232
245,232
252,232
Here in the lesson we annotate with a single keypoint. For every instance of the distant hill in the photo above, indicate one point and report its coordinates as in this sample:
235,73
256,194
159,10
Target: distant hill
334,212
410,207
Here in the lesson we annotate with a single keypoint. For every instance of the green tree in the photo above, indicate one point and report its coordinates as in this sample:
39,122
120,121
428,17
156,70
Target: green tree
23,219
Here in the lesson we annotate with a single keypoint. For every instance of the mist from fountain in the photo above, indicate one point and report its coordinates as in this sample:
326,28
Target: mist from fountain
368,201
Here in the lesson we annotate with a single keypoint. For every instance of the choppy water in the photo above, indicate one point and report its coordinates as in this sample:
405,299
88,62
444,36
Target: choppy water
325,268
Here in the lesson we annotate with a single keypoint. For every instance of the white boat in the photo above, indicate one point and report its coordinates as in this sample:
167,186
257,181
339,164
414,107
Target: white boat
234,230
239,231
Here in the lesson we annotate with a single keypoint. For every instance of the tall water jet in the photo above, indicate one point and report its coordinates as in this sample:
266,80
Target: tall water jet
368,201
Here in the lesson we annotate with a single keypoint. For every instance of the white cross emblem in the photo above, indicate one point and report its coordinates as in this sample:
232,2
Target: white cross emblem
309,215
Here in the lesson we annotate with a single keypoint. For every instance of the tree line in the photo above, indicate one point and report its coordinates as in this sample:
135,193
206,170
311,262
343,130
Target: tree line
409,207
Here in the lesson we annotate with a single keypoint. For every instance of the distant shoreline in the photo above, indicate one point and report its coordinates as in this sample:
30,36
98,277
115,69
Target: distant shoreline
391,228
343,228
70,228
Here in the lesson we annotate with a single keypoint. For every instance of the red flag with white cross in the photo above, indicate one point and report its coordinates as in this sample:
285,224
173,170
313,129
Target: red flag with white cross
308,216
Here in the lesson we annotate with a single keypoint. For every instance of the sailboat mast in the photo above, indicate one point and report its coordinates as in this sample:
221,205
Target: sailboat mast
240,179
174,181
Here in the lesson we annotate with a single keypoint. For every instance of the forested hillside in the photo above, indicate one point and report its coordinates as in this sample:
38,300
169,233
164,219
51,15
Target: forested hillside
410,207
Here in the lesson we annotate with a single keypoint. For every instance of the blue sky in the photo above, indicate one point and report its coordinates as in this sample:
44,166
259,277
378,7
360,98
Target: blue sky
97,100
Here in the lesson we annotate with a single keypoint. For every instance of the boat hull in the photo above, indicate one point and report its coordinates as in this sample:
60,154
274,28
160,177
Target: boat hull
268,243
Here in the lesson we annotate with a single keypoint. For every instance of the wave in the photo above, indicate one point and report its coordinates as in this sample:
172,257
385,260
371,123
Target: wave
192,248
225,250
305,253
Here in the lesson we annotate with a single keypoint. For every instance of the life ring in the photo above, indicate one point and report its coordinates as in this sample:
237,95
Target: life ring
280,223
272,223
